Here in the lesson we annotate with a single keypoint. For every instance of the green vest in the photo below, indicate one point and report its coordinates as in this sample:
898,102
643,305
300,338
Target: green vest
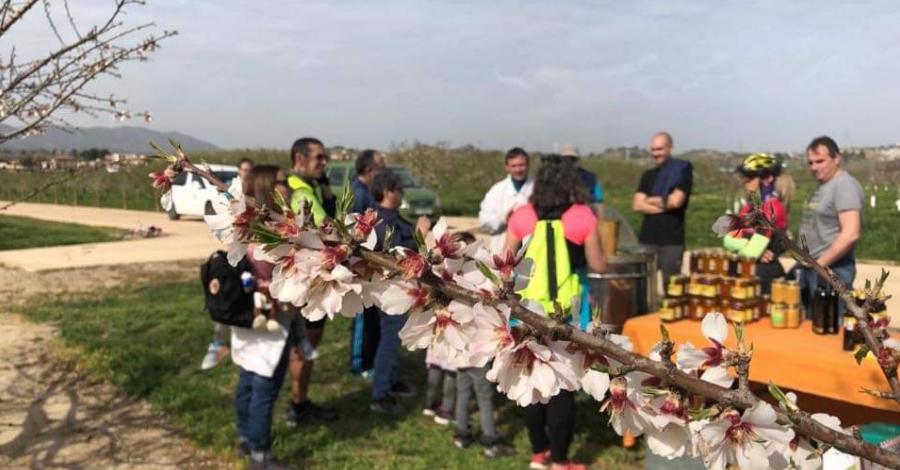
553,277
303,191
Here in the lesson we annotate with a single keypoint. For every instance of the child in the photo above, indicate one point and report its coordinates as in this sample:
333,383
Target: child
440,397
471,379
467,380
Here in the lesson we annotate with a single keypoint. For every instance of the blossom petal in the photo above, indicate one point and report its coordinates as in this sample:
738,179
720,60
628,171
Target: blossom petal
752,456
828,421
690,358
718,376
715,327
595,384
669,443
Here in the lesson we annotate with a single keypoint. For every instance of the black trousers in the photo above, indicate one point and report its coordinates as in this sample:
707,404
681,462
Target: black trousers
552,426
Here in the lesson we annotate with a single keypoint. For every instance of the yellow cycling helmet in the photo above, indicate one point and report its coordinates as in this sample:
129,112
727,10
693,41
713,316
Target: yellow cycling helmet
760,164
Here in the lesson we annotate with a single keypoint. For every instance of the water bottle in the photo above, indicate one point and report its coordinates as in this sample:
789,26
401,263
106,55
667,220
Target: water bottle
247,281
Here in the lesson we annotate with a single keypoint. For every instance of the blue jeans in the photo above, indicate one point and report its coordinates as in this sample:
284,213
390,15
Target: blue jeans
387,355
844,269
255,400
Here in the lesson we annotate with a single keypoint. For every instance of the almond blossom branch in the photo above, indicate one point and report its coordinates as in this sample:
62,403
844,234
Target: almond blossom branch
546,326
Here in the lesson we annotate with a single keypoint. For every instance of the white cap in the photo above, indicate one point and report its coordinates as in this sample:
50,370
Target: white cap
568,150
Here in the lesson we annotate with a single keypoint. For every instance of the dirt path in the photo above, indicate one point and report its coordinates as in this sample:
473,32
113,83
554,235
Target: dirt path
53,417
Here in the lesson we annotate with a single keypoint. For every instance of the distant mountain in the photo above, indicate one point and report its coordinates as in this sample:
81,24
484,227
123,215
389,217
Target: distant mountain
116,139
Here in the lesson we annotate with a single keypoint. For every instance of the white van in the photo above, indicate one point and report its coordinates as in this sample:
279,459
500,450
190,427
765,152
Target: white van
191,194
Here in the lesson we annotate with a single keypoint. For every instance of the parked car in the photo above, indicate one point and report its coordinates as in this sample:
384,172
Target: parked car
191,194
417,200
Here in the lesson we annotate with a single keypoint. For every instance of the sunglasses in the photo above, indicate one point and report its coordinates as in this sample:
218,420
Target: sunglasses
657,149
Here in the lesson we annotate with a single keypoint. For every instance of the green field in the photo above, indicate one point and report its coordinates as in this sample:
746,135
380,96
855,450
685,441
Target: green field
462,175
148,340
24,232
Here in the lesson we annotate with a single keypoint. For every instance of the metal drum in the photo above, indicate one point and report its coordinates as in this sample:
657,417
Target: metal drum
626,289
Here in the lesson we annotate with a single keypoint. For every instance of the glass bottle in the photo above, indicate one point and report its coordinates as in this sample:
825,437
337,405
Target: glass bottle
849,329
820,309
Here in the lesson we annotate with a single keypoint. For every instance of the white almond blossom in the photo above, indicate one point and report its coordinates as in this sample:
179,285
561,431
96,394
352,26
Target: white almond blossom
399,297
443,329
229,221
527,373
491,334
627,407
669,435
744,440
710,361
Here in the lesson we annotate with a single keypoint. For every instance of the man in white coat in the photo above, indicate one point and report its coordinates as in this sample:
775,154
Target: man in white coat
505,197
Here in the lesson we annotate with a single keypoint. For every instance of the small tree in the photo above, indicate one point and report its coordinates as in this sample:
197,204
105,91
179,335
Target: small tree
36,92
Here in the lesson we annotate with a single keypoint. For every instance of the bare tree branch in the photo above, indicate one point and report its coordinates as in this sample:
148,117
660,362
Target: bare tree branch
34,93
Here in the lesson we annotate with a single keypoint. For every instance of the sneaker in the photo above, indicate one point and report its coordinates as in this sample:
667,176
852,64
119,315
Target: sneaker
443,417
243,449
387,405
269,463
499,450
401,389
540,461
299,412
461,442
429,412
214,353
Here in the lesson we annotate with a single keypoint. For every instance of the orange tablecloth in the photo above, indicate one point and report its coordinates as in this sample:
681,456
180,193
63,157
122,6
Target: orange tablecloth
796,359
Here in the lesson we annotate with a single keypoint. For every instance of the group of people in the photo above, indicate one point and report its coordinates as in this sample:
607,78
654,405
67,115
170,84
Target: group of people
555,215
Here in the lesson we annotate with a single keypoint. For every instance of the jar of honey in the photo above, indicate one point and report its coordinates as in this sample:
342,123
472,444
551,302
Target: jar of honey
709,287
747,267
755,305
743,289
737,311
725,288
712,262
778,287
734,265
755,288
793,316
667,312
723,264
792,293
694,287
777,315
698,263
677,286
693,309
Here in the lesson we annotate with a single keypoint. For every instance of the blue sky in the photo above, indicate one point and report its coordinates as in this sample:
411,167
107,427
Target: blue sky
731,75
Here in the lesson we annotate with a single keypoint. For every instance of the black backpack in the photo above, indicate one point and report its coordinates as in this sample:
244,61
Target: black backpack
227,301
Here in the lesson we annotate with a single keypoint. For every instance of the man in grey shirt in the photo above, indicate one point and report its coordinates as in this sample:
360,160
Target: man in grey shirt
832,217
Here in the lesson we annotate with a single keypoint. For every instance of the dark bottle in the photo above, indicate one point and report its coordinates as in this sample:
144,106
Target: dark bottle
849,330
820,311
831,319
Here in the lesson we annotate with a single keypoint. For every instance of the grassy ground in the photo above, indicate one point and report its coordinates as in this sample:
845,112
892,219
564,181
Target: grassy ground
23,232
149,341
